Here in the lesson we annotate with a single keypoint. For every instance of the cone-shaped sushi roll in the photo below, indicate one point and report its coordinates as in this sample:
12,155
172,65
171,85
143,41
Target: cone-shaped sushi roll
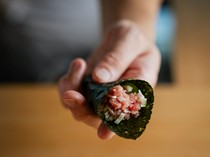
124,106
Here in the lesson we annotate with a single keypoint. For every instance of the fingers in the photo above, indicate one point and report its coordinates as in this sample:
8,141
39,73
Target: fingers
73,100
145,67
76,73
104,132
73,78
77,104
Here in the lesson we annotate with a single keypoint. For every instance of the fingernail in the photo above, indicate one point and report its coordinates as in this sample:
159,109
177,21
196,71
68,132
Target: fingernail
103,74
74,67
104,132
69,103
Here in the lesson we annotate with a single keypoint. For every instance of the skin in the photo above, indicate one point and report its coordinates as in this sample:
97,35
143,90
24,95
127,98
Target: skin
127,51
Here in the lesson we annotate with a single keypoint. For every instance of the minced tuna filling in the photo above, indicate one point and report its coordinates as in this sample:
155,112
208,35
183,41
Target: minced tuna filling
122,104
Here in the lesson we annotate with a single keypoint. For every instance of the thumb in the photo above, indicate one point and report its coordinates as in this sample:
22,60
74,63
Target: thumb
113,65
115,62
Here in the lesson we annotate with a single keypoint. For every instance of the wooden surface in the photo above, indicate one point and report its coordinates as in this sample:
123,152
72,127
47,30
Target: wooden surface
33,123
192,46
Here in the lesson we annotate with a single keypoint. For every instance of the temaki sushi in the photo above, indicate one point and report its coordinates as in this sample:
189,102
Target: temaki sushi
124,106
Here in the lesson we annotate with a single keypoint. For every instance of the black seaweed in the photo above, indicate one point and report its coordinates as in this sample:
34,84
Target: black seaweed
131,128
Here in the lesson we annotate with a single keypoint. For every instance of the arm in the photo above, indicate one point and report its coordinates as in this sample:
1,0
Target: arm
142,12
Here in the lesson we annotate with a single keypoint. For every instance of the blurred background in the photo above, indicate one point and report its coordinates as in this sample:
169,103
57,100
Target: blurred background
39,38
35,46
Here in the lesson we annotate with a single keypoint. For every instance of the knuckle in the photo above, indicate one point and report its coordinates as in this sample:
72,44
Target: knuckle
78,117
113,61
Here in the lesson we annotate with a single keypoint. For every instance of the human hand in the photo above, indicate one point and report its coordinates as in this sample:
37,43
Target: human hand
124,53
71,97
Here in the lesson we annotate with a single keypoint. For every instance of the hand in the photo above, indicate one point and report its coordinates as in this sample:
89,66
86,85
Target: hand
72,99
124,53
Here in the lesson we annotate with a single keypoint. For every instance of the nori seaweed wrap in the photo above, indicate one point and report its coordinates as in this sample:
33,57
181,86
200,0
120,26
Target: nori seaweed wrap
110,102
